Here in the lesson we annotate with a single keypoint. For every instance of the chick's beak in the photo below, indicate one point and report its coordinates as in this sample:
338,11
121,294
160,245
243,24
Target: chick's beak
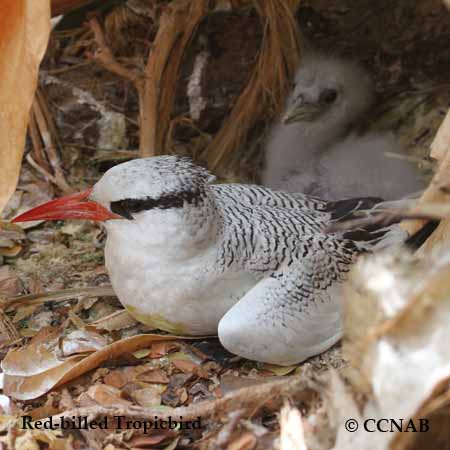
306,112
75,206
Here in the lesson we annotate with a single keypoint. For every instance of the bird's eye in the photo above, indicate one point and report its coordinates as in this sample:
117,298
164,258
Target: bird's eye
299,98
328,96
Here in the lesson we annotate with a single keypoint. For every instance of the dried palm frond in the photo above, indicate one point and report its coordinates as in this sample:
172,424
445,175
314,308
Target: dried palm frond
277,61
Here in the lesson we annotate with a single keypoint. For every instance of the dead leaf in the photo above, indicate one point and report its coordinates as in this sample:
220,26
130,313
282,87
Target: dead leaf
28,332
11,231
161,349
6,422
142,374
153,376
54,440
25,27
42,319
142,353
23,312
29,387
10,252
190,367
188,363
43,411
49,372
76,321
182,356
83,341
10,283
35,358
150,440
107,395
245,441
185,366
278,370
149,396
182,395
116,378
176,394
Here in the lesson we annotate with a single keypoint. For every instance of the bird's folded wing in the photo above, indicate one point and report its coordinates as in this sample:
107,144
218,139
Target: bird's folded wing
291,315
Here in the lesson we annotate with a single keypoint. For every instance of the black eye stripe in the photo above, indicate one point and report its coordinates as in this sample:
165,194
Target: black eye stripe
128,206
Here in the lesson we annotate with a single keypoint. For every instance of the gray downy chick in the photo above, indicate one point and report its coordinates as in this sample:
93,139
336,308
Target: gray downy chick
313,149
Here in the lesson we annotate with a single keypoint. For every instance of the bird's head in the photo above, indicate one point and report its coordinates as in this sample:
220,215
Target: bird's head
328,90
162,182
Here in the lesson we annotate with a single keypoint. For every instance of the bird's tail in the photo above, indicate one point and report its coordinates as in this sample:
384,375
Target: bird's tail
419,237
373,223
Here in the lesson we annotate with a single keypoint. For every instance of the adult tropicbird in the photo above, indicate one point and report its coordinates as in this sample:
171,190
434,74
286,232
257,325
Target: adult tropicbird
252,264
313,149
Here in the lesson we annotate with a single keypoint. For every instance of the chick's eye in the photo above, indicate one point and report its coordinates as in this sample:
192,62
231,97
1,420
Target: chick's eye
329,96
299,98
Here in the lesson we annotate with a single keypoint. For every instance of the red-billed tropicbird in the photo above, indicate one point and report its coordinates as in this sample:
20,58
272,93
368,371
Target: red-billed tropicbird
252,264
312,149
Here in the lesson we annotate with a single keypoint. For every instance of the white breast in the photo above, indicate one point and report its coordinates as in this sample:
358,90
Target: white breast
167,280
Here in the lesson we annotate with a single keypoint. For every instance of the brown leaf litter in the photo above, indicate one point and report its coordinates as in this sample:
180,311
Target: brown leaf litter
33,370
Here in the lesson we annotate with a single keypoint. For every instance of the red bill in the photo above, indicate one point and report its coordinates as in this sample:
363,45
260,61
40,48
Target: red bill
74,206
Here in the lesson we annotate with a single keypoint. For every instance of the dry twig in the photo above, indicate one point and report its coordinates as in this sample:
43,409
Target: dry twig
156,84
244,399
38,149
58,296
40,169
105,56
8,333
44,137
